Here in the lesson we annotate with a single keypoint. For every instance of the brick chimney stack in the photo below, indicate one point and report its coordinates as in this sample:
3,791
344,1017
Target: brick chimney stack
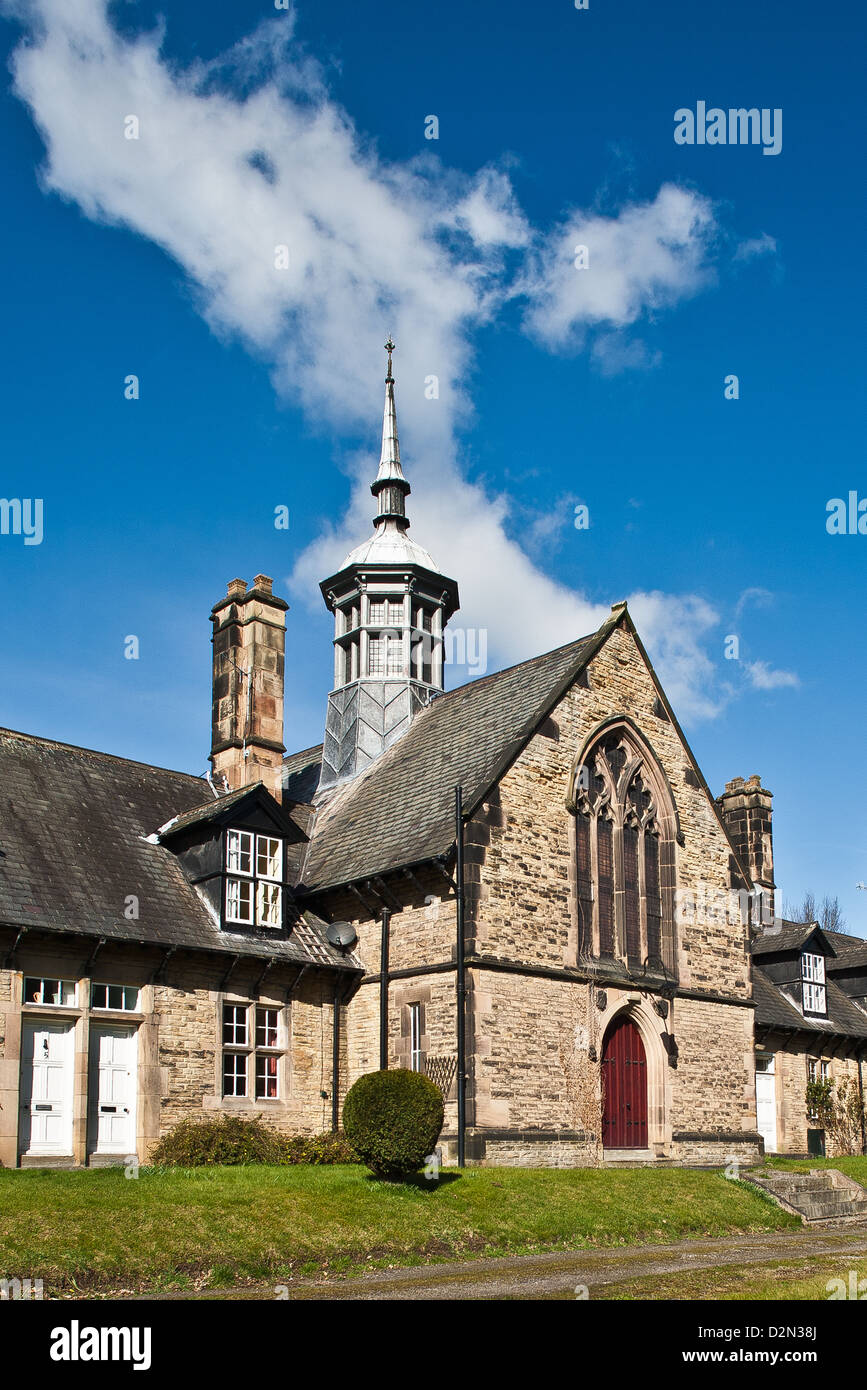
746,810
247,710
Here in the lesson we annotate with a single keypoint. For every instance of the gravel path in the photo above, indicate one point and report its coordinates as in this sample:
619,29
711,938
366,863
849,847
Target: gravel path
555,1276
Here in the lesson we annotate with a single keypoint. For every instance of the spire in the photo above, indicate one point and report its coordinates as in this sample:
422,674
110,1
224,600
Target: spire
390,487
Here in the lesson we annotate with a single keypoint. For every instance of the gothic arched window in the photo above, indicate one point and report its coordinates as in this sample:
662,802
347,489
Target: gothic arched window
625,829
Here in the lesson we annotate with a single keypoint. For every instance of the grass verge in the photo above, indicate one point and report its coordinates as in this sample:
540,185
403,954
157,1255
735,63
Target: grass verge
94,1232
797,1281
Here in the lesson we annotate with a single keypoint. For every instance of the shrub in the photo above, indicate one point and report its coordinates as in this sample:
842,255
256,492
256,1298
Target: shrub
393,1119
839,1110
234,1139
225,1139
322,1148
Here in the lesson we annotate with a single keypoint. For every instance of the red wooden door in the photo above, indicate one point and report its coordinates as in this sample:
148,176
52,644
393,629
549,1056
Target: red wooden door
624,1087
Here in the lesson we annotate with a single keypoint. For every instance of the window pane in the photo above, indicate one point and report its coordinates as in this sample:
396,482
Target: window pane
415,1037
239,900
235,1025
266,1027
394,663
813,968
377,614
114,997
239,852
266,1078
651,888
269,904
585,885
234,1074
269,857
376,656
605,857
631,900
42,991
814,997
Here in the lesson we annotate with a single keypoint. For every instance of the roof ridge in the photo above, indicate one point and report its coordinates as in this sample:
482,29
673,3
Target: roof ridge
516,665
98,753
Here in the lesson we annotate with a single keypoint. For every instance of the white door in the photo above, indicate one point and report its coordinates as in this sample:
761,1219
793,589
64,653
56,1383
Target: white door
766,1101
112,1090
46,1088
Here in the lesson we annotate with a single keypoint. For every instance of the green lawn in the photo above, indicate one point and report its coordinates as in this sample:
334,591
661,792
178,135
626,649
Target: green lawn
99,1232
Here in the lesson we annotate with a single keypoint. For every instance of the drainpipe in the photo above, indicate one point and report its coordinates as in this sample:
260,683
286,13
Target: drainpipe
383,990
335,1059
461,977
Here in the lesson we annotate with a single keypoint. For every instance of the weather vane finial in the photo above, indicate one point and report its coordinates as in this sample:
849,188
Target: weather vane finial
389,347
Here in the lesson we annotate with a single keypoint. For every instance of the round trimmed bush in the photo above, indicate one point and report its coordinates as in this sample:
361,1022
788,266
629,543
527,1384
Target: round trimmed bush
393,1119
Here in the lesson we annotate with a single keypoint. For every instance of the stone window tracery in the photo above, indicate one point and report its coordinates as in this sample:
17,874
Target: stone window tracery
624,849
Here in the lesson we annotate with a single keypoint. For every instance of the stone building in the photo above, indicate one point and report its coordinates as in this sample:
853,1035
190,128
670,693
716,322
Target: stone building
254,941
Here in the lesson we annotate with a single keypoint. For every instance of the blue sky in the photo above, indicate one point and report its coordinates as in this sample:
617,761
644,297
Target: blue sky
555,126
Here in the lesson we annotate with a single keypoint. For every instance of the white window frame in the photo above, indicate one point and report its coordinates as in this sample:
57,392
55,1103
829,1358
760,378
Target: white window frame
267,1052
264,892
43,980
245,1026
814,998
812,968
129,997
415,1053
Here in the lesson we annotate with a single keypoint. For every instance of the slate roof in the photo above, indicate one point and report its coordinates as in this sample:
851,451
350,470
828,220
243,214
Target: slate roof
851,950
301,775
73,846
775,1008
205,812
401,810
790,938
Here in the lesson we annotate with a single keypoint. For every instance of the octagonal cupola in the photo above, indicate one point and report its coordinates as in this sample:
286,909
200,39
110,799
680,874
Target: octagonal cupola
390,604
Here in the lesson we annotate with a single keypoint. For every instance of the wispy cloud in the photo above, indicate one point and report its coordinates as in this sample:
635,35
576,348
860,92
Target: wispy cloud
755,596
763,677
752,247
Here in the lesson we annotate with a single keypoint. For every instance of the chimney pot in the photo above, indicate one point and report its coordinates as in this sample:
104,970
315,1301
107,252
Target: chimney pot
263,581
236,587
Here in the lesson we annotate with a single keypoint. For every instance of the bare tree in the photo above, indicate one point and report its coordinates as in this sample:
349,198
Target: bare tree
829,915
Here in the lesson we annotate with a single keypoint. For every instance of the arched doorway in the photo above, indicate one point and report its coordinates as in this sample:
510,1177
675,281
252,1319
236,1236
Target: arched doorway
624,1087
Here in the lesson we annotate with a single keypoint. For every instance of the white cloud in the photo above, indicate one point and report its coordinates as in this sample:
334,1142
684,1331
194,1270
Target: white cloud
219,180
762,598
764,677
646,258
752,247
615,352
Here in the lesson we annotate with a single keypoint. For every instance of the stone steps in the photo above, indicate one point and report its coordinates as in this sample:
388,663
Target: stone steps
822,1195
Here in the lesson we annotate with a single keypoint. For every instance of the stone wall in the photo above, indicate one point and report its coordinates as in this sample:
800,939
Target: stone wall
520,852
791,1067
179,1047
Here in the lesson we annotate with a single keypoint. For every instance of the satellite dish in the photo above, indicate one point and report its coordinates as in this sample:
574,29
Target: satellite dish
342,934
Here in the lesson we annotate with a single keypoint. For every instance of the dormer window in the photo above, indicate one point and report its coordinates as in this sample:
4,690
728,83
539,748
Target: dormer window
813,983
254,879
